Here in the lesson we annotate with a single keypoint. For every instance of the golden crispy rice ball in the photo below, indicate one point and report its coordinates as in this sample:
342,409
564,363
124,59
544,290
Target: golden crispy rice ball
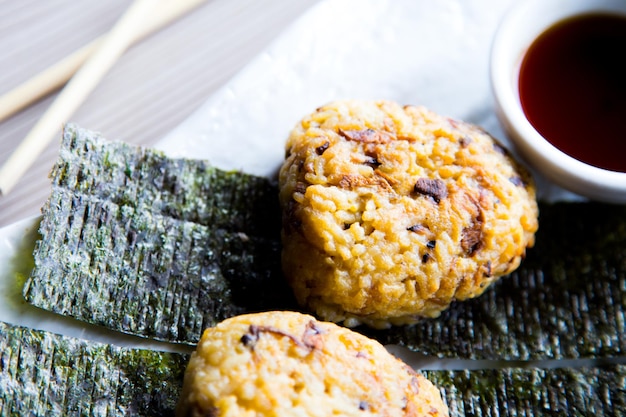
288,364
390,212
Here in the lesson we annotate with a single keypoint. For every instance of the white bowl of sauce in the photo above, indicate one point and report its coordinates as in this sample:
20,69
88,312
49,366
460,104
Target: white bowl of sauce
558,74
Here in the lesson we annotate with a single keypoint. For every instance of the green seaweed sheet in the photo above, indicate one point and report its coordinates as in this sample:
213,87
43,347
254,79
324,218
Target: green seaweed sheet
567,299
184,189
187,272
146,274
120,249
595,391
46,374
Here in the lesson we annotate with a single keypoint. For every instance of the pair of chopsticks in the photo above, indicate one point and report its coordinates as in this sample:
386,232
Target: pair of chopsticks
81,71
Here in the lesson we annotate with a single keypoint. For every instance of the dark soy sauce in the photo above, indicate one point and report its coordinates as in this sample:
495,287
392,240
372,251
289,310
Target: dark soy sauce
572,87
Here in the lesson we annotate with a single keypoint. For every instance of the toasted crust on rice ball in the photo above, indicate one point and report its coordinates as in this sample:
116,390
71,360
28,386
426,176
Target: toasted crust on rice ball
287,363
390,212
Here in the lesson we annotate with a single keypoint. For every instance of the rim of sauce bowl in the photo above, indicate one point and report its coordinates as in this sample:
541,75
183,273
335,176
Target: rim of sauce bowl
521,25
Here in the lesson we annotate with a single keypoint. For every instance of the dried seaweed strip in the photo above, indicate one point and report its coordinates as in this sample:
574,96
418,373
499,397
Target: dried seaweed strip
45,374
567,300
148,274
598,391
185,189
60,376
85,165
121,247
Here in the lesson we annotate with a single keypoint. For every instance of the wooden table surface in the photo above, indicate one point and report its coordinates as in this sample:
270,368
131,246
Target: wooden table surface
155,85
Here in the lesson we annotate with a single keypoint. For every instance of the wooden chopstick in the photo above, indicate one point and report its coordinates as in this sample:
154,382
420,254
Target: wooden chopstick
141,18
44,83
54,77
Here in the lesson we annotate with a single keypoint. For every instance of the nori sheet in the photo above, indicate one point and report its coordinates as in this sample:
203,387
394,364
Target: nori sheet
188,270
154,246
146,274
45,374
567,299
184,189
595,391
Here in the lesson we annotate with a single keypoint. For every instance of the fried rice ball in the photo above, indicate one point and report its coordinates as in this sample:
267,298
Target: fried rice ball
391,213
283,363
